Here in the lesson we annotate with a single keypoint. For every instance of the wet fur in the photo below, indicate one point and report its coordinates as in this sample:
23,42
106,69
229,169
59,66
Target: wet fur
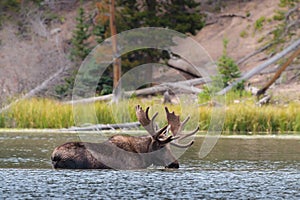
120,151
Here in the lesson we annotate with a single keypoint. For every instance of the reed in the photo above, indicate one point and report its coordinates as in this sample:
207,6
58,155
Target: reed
38,113
268,119
240,118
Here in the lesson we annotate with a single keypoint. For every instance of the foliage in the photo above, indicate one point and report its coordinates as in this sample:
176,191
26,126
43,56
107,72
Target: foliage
80,49
99,32
183,16
11,8
7,6
63,90
101,21
243,34
259,23
287,29
204,96
228,72
279,15
105,85
288,3
227,67
180,15
79,40
270,119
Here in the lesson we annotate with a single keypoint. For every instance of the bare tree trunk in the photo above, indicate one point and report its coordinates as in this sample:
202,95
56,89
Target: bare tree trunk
148,91
117,60
253,54
278,73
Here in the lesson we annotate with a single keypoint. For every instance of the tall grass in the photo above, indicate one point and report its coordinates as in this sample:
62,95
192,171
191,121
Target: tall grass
38,113
269,119
240,118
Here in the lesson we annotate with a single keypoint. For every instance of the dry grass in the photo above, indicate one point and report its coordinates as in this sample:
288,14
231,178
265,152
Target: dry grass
240,118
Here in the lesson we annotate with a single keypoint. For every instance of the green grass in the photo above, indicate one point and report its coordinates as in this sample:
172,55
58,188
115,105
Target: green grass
269,119
244,117
258,25
244,34
279,16
38,113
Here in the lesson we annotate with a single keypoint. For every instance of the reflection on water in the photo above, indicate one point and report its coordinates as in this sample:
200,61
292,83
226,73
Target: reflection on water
236,168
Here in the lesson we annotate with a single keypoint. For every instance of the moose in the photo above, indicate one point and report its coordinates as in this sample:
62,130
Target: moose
125,151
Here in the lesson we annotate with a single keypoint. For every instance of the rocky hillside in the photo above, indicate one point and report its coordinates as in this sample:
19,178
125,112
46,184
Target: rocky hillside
32,48
249,27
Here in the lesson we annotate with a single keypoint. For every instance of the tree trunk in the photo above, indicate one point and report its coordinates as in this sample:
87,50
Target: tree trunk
117,60
151,90
278,73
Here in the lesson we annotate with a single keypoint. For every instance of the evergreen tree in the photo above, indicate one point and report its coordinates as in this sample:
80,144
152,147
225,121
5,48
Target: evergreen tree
79,51
180,15
80,47
227,68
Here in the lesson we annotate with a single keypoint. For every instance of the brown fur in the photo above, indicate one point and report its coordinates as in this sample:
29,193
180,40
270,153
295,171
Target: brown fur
120,152
124,151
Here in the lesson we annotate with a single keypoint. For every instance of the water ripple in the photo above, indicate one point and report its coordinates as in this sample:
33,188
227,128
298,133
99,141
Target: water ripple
150,184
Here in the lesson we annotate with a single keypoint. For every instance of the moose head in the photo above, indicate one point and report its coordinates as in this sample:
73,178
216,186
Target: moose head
127,152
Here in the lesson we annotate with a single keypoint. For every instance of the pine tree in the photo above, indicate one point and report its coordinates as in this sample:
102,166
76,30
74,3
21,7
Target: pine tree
227,67
78,53
180,15
80,47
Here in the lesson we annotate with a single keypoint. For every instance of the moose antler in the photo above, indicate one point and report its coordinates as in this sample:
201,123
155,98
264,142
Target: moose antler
143,117
176,128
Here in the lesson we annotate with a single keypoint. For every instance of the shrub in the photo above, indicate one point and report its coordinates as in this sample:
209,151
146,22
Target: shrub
259,23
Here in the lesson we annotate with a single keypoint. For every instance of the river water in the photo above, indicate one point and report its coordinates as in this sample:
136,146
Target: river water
237,168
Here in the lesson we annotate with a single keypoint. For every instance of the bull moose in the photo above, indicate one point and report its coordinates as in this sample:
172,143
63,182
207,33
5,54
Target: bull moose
124,151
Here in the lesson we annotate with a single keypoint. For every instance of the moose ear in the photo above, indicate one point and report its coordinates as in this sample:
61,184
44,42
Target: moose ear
174,121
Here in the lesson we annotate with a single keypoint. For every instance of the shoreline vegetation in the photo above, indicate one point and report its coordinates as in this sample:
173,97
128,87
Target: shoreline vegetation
108,133
244,118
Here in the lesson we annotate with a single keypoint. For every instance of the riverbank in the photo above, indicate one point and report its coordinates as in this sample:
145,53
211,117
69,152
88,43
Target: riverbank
244,117
200,134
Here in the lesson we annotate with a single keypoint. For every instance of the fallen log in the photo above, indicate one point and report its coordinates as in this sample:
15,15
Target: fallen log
184,87
275,69
254,53
151,90
91,99
99,127
183,66
279,72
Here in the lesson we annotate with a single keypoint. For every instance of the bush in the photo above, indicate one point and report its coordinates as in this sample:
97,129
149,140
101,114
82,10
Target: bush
259,23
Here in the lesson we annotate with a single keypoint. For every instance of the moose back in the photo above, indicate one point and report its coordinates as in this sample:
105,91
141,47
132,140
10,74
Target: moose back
124,151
